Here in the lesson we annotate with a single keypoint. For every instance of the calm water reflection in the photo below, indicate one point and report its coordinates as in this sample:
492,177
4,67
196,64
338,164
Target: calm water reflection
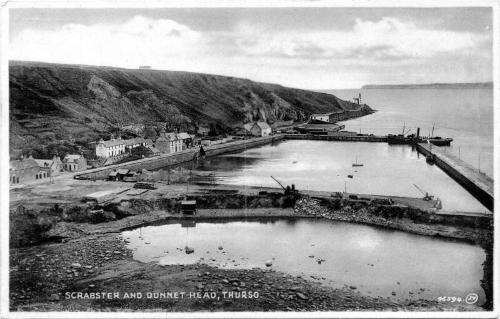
324,166
376,261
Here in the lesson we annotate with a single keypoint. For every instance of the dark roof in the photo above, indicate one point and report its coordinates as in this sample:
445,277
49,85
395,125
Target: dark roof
111,143
136,140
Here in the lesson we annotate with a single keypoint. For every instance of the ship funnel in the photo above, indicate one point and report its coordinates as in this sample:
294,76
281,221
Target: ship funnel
418,132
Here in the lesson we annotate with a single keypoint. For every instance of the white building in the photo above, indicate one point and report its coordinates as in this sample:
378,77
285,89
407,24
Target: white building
185,140
110,148
175,142
321,117
261,129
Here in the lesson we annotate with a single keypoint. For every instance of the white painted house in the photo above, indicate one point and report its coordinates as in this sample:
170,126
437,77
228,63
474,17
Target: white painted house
261,129
110,148
175,142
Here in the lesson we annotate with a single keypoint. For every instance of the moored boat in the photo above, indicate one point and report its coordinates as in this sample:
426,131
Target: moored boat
439,141
356,164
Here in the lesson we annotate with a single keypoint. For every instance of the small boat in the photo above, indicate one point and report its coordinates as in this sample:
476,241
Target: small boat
439,141
356,164
350,176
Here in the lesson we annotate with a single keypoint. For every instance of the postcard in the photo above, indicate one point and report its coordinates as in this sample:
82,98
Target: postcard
248,159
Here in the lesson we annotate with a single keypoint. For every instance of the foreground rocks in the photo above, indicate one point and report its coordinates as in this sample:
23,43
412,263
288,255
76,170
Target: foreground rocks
93,258
42,277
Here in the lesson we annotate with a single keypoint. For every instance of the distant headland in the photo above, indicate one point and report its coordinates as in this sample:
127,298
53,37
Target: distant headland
475,85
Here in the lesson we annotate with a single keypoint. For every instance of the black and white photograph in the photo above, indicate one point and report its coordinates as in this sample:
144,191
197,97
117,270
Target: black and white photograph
288,159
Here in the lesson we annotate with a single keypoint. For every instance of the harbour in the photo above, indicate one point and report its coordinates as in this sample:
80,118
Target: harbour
225,160
475,183
342,187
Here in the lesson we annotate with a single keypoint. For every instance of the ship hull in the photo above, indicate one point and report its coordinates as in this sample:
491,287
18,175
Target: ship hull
441,142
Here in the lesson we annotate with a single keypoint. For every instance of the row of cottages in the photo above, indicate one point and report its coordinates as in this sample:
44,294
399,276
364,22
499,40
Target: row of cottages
257,129
173,142
115,147
165,143
29,169
110,148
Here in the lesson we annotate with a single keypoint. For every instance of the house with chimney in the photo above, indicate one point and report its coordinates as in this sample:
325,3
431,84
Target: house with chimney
52,167
186,140
24,170
110,148
162,144
133,143
74,163
260,129
173,142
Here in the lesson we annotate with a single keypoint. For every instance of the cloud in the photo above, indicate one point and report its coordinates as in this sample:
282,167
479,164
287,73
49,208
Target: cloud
138,41
386,50
388,38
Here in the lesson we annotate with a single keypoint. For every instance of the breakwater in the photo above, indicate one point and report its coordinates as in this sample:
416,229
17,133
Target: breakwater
475,182
337,137
164,160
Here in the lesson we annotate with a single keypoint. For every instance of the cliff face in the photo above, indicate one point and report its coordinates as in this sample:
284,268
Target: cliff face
72,105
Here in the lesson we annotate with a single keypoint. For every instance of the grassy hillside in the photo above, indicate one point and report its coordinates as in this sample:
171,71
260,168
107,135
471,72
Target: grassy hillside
57,108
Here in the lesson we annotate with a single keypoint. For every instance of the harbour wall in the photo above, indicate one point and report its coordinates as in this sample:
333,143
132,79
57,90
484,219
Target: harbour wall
337,137
475,182
164,160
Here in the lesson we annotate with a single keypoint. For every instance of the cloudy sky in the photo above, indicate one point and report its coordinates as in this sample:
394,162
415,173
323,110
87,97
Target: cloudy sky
312,48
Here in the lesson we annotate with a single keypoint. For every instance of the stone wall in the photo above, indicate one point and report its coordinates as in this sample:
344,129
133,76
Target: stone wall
165,160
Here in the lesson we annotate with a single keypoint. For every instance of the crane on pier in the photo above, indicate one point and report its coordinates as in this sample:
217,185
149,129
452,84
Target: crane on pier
287,189
427,197
278,182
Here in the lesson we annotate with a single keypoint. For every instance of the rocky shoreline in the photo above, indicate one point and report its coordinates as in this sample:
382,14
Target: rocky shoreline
366,215
48,278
